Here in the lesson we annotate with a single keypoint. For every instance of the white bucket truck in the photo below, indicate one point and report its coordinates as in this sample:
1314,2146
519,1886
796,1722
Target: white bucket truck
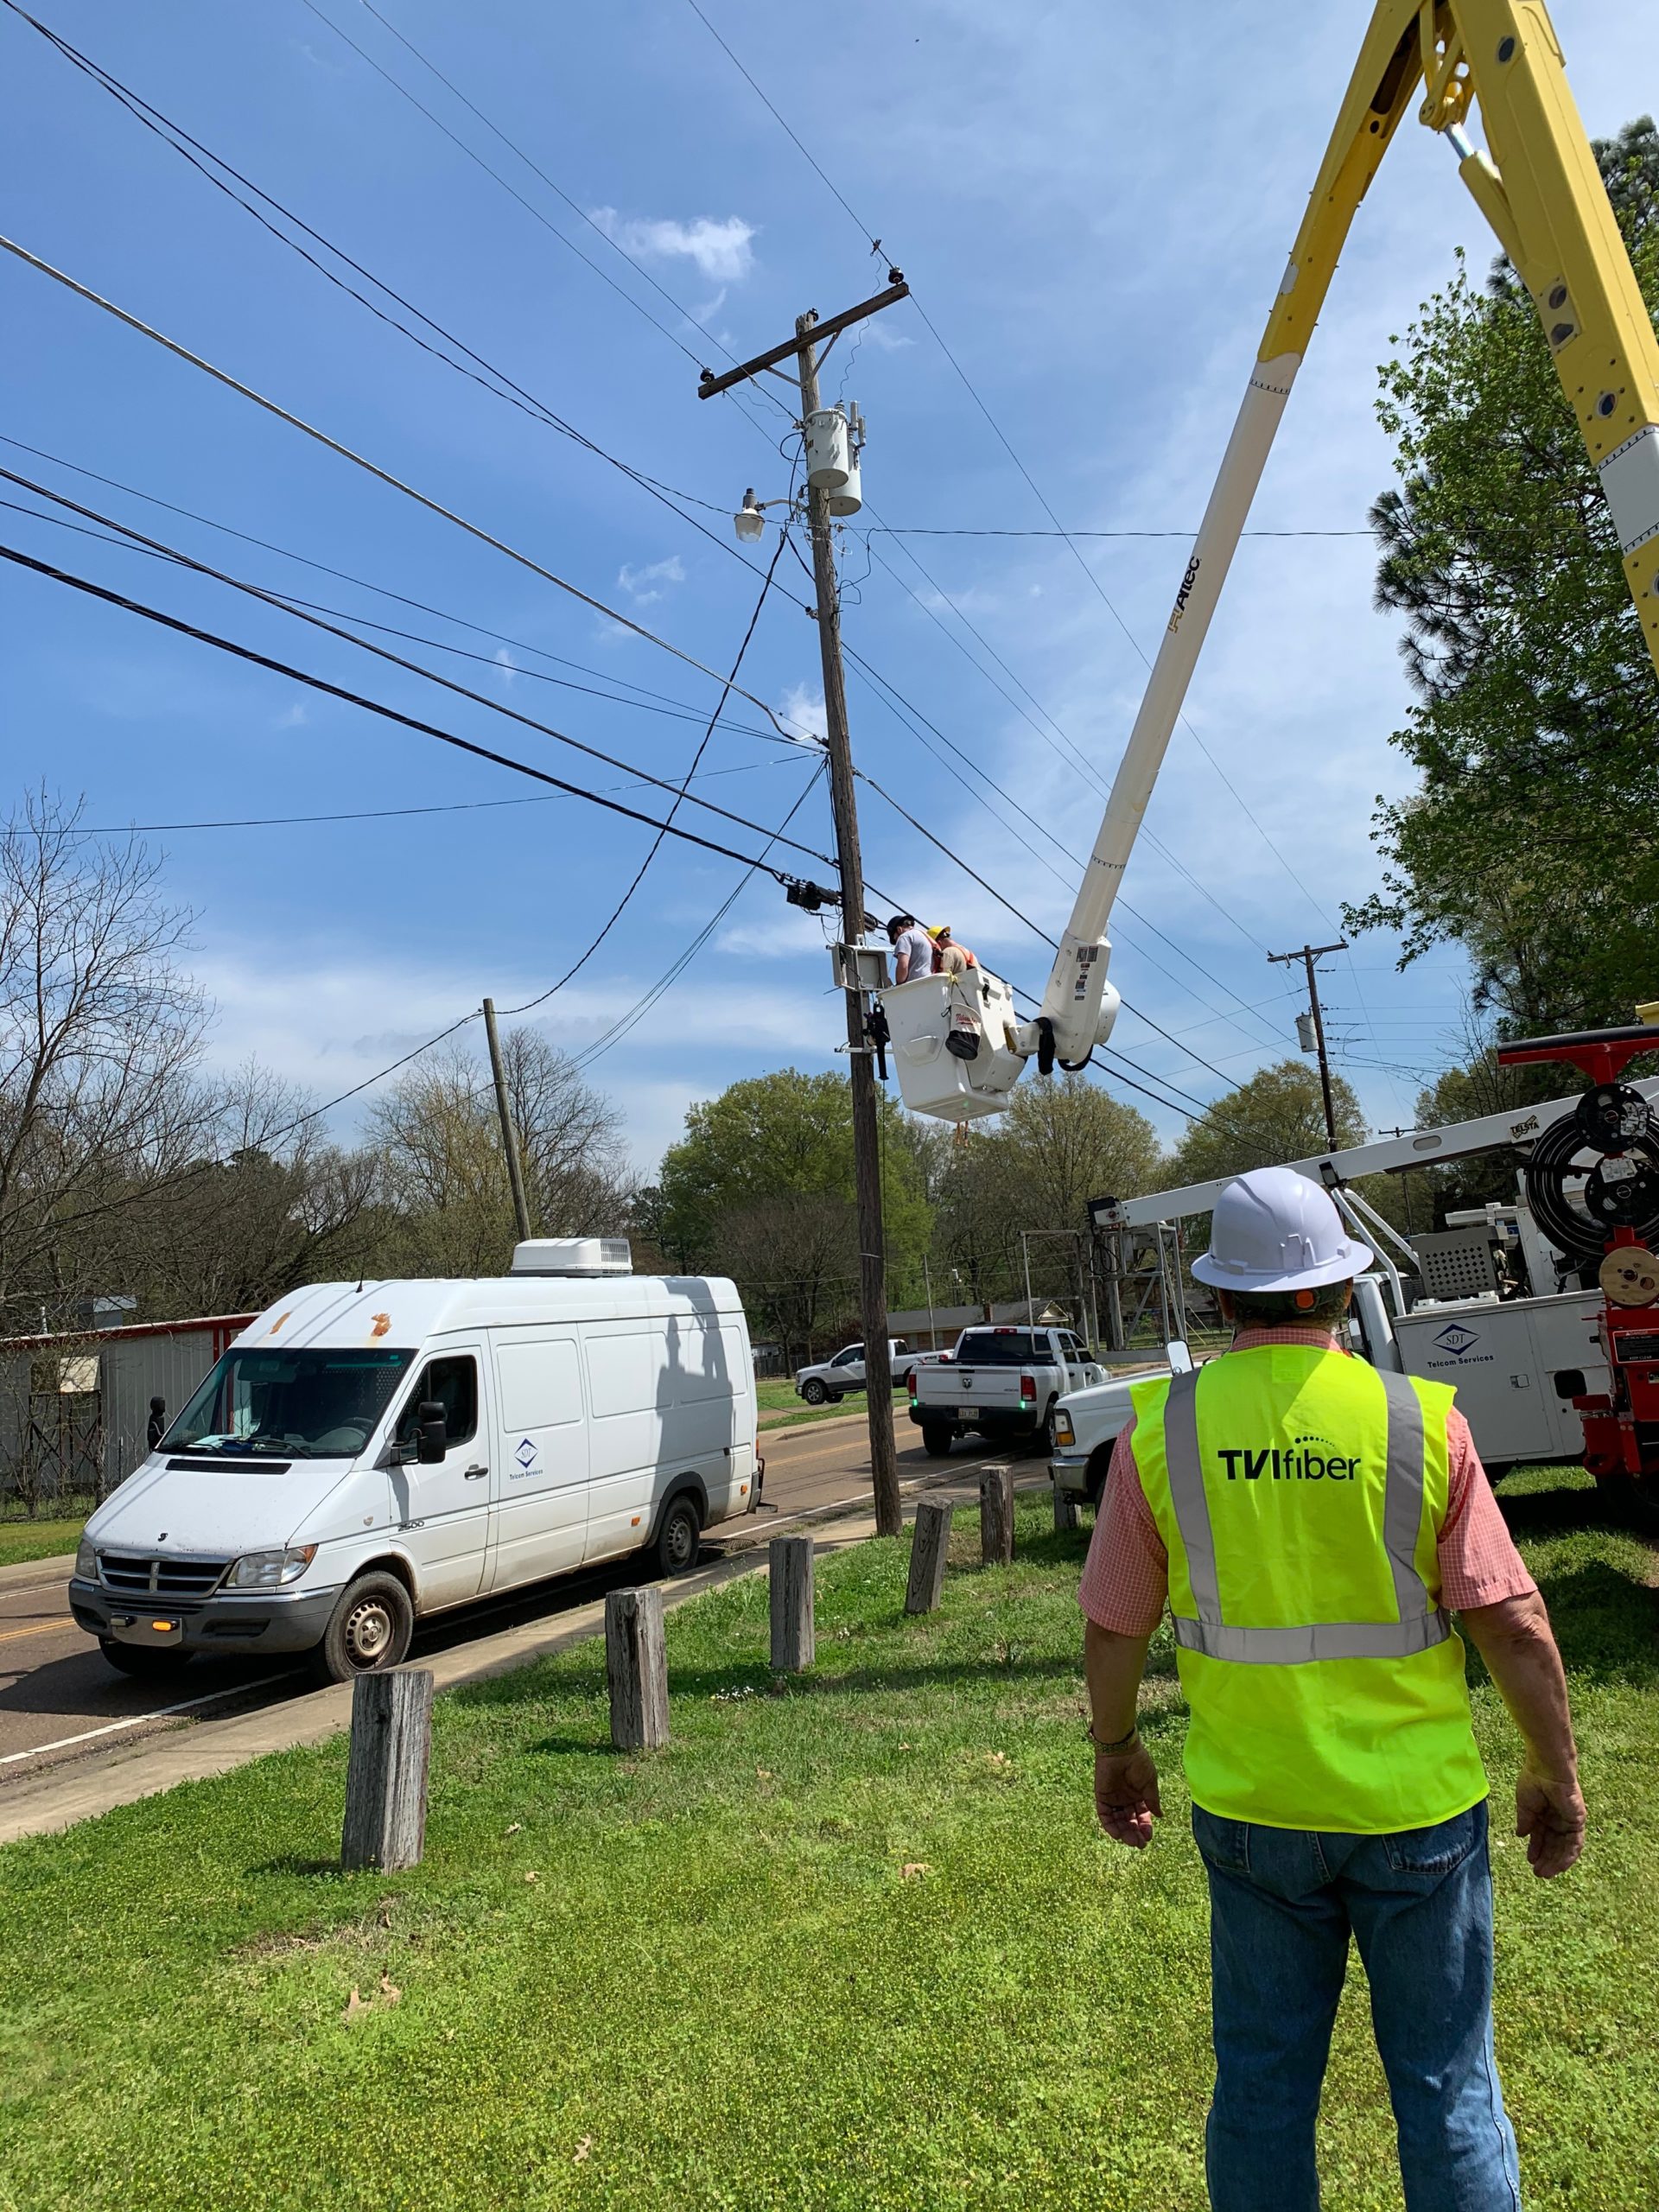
1500,1314
364,1455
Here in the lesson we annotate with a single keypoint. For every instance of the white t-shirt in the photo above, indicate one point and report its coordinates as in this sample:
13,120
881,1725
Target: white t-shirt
915,944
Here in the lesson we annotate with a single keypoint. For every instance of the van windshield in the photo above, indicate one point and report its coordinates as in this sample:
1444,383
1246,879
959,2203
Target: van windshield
300,1405
1001,1348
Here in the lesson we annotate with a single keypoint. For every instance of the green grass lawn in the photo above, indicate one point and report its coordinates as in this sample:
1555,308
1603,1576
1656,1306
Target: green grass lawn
20,1540
781,1409
850,1944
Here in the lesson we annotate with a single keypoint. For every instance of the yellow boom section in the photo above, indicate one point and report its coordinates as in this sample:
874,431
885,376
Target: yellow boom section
1542,194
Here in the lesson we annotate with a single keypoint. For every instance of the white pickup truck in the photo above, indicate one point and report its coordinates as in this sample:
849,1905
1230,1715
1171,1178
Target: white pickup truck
1000,1381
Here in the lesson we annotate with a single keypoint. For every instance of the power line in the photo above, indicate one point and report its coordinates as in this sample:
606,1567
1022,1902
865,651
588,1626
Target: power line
528,206
415,668
682,710
628,1022
513,146
874,244
182,143
357,814
895,529
385,476
950,854
1004,440
371,706
666,828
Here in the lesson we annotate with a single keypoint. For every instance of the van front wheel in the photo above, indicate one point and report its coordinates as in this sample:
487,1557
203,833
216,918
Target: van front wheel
369,1631
673,1549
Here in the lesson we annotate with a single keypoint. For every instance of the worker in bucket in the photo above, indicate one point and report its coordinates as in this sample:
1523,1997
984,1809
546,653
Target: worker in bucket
912,949
1311,1523
950,958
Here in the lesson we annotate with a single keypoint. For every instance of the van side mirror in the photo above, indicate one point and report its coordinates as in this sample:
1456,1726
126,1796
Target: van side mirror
431,1434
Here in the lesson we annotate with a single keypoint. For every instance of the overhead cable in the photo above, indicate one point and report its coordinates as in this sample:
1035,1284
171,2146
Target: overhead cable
371,706
416,668
1004,440
667,703
385,476
182,143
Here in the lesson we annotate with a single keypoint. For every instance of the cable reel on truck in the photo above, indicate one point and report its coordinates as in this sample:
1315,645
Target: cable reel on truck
1611,1218
1597,1170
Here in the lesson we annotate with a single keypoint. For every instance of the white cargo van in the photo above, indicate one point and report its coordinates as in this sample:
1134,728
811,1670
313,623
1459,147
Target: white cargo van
367,1454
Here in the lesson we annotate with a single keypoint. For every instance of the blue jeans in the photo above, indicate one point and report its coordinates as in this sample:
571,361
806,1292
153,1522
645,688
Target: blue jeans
1419,1903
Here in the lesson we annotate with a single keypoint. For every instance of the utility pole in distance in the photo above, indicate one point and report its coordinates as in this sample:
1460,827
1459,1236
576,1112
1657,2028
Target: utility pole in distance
509,1140
866,1158
1307,956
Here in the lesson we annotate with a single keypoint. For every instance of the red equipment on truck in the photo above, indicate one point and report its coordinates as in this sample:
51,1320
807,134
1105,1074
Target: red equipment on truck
1613,1220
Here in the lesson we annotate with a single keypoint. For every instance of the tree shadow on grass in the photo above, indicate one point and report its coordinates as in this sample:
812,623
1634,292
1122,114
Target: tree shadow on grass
1605,1622
945,1675
1567,1510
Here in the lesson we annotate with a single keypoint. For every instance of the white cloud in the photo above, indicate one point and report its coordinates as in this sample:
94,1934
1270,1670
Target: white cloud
642,584
293,717
804,709
721,250
506,663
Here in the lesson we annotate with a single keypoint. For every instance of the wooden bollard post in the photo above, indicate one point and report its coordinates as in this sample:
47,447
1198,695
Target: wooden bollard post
1065,1510
997,1516
385,1775
928,1550
789,1565
636,1668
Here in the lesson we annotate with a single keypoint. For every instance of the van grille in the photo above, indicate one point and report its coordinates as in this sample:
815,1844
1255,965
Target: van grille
134,1576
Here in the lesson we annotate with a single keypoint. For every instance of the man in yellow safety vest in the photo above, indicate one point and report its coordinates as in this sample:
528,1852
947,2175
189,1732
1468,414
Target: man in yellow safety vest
1312,1522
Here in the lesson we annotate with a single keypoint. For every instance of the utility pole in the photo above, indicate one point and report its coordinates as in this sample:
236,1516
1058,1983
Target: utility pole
509,1141
1307,956
866,1160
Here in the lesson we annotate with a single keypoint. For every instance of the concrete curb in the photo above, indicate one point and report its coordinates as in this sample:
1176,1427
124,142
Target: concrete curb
54,1569
59,1796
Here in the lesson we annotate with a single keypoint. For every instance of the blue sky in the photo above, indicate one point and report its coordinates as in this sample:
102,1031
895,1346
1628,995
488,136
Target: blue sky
1093,207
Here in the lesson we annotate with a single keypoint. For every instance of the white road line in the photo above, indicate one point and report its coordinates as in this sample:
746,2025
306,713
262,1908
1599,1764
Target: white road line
137,1720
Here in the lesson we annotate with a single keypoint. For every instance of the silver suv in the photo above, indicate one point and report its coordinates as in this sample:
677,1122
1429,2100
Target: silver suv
829,1381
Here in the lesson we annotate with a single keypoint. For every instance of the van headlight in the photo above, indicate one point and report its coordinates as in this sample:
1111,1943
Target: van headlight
86,1560
270,1570
1064,1432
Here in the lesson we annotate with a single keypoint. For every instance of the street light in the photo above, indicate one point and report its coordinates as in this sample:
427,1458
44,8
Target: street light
749,518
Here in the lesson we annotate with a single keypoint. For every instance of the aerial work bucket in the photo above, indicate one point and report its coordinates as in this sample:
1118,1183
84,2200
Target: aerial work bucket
953,1043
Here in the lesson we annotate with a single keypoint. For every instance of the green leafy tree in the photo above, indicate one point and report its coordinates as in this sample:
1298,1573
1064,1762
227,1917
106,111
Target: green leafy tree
1061,1143
761,1187
1530,839
1277,1115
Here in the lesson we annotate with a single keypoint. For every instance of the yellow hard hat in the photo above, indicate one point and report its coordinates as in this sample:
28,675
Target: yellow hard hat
939,929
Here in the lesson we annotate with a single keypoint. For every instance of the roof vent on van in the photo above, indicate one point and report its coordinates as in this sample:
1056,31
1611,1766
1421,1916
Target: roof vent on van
573,1256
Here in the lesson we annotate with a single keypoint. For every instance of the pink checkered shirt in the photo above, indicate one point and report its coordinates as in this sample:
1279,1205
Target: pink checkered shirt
1126,1578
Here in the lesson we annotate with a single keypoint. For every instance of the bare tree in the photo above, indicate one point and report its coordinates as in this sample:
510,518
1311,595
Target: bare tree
99,1034
795,1259
272,1205
444,1174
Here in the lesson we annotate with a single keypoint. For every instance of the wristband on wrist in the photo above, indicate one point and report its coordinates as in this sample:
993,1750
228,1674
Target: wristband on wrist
1115,1750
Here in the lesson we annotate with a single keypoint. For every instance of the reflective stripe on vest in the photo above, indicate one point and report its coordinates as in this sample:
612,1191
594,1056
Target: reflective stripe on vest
1421,1624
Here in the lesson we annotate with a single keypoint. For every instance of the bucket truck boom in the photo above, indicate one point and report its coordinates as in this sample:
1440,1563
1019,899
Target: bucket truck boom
957,1044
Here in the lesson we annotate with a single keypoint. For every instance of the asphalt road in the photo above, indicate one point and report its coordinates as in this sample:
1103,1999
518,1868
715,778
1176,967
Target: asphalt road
60,1700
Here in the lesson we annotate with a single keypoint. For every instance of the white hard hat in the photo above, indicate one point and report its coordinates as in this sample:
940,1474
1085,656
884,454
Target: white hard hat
1272,1229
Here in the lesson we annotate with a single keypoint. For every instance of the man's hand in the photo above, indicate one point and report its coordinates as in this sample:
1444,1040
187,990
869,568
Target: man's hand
1548,1812
1126,1795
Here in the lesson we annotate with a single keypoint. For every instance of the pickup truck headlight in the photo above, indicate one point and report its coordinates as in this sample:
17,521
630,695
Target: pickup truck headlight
270,1570
1064,1432
86,1560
